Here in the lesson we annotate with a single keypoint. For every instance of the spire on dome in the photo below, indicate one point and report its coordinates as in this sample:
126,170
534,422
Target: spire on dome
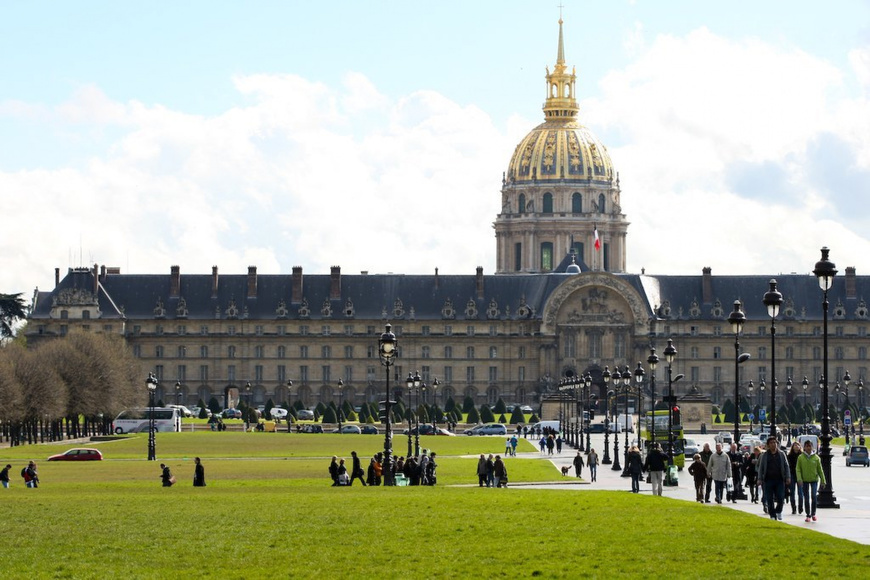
560,54
560,103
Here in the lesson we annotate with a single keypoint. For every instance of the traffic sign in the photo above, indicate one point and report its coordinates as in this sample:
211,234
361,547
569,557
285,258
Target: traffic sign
847,417
762,414
752,416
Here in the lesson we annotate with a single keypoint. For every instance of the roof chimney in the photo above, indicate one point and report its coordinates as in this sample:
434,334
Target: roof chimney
214,281
175,282
335,283
437,281
851,290
103,273
707,285
56,277
252,281
480,282
296,286
96,280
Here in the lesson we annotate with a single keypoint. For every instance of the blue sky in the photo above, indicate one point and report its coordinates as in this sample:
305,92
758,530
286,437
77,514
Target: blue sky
287,133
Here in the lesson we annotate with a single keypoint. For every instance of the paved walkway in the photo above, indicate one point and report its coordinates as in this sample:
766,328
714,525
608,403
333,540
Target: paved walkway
851,488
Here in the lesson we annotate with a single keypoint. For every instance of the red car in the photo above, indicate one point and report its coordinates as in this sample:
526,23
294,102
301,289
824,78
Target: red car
78,454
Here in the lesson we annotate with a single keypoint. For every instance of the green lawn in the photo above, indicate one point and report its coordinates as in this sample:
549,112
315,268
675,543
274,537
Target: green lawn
267,514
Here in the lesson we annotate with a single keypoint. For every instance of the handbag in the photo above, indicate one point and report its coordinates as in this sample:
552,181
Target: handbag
172,480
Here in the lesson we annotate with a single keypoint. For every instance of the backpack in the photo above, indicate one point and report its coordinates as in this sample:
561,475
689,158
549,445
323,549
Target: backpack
23,472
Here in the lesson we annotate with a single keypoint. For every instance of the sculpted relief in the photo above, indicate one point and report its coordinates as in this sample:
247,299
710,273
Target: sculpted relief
598,298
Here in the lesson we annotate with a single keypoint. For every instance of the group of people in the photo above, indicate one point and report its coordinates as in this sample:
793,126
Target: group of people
510,446
29,474
491,471
591,462
168,480
418,470
792,478
550,442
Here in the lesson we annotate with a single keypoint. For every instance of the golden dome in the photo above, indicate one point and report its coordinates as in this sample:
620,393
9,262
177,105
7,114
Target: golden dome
560,148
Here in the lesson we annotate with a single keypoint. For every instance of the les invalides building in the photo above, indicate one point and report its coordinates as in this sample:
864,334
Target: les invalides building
560,304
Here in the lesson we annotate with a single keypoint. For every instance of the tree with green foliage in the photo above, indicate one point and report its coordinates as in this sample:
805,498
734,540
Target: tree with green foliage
517,416
347,408
267,409
467,404
12,309
329,415
449,405
728,410
502,418
214,406
203,412
486,414
500,406
473,416
717,420
436,414
423,414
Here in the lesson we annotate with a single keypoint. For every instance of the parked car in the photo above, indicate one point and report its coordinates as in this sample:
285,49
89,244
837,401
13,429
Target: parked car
278,413
195,412
724,437
310,428
690,447
348,430
81,454
182,410
305,415
526,409
232,414
858,455
596,428
488,429
369,430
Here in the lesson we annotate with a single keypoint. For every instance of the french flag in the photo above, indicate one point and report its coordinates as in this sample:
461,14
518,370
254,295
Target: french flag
597,240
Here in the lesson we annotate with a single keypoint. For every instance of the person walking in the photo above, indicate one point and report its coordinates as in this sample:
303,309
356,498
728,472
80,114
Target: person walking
559,443
356,471
736,460
809,472
431,478
655,466
499,471
490,471
507,446
166,476
543,443
705,454
635,468
333,471
551,443
592,462
698,471
343,479
198,473
774,475
795,488
578,465
750,468
481,471
4,476
719,467
30,475
514,443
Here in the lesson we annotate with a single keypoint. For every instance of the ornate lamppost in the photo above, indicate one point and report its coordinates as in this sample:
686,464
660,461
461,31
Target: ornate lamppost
340,401
638,379
617,383
151,383
606,376
847,378
788,385
825,271
387,352
772,300
621,422
247,405
435,384
861,411
752,401
653,361
670,355
587,380
805,384
178,392
737,319
418,382
409,382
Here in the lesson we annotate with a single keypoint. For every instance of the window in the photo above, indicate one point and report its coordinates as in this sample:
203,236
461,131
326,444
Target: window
370,373
86,314
231,373
303,351
448,375
325,330
203,373
203,329
282,351
258,330
281,373
158,352
839,353
182,351
518,256
522,352
493,352
694,352
762,330
348,374
448,352
576,203
325,374
425,374
469,374
303,374
64,314
695,373
231,330
717,331
469,352
137,330
259,351
717,353
425,330
370,352
370,330
348,329
789,330
158,330
601,208
181,330
424,352
493,330
547,203
817,353
348,352
693,330
717,377
448,330
158,372
469,330
862,353
838,331
521,205
521,374
303,330
493,374
789,352
64,329
258,374
619,346
762,374
137,350
203,352
594,339
281,330
762,352
326,352
862,331
231,352
546,256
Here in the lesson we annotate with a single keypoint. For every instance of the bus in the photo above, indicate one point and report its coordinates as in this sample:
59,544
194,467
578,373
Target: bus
657,422
136,420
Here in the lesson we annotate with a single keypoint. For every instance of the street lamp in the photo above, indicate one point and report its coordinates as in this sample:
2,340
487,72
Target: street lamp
340,401
788,385
417,383
617,382
752,401
409,382
587,380
435,384
247,405
846,380
653,361
626,386
177,392
825,271
289,403
860,386
773,300
387,352
804,385
606,376
638,379
670,355
151,383
737,319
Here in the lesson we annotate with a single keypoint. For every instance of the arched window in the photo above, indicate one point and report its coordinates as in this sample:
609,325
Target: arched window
601,203
548,203
546,256
576,203
522,204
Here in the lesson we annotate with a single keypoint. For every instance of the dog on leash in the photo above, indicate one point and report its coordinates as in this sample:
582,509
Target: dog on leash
565,470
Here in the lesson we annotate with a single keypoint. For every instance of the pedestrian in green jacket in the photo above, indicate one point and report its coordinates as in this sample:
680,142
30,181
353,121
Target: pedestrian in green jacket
809,472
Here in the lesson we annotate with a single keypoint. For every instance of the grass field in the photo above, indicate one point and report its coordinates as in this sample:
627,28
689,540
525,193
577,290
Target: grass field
268,510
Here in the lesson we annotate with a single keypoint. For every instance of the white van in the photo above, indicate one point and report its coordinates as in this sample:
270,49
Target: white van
545,425
136,420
